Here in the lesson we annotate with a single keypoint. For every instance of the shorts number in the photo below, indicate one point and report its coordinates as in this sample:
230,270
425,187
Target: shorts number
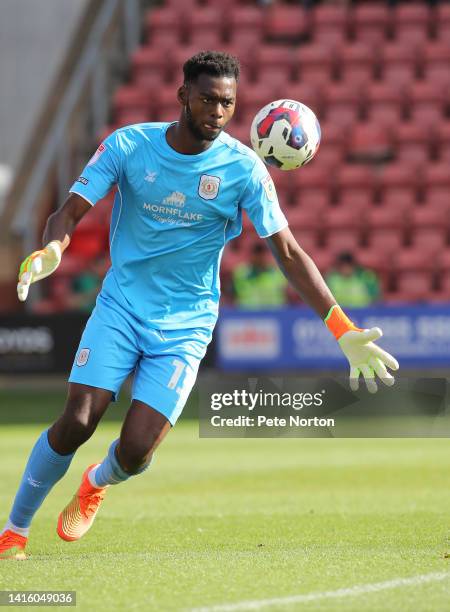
179,367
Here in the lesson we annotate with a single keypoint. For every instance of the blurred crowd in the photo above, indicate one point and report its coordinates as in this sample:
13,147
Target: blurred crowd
259,284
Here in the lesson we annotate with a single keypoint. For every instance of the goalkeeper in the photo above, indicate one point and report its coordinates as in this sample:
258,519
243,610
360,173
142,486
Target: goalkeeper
181,190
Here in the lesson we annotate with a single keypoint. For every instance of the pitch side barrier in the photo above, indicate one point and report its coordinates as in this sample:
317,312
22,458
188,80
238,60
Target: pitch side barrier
294,338
45,344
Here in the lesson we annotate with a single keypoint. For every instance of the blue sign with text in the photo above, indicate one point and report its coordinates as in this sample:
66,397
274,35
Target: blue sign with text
294,337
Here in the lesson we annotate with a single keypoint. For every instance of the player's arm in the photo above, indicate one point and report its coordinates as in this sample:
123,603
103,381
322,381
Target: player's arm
58,231
100,174
358,346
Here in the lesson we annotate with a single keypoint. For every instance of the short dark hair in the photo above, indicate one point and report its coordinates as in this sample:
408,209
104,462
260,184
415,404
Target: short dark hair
214,63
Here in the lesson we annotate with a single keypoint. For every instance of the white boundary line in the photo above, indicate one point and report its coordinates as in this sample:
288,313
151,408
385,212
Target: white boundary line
346,592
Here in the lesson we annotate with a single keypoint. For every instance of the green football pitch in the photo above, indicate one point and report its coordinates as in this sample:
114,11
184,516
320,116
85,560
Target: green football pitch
310,524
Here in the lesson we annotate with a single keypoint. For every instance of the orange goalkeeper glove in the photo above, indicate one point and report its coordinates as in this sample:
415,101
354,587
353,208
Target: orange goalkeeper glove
358,346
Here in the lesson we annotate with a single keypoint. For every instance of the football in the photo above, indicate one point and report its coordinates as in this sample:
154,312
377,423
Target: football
285,134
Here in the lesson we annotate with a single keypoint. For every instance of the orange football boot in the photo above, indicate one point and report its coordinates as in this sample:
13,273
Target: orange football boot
77,517
12,545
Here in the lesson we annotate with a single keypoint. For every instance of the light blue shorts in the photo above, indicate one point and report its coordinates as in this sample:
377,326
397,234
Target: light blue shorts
165,362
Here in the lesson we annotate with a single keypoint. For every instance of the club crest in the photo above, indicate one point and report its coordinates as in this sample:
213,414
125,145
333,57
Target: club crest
208,188
83,357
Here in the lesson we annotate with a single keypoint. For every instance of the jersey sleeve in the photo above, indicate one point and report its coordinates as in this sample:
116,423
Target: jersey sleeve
101,172
260,201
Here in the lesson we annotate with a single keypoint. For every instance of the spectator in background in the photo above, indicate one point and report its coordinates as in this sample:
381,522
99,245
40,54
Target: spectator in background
258,283
352,284
87,284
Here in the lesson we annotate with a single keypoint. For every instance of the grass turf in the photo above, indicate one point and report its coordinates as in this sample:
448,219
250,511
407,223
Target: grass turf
221,521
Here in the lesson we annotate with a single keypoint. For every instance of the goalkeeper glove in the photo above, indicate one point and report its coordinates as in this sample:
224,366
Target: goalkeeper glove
358,346
38,265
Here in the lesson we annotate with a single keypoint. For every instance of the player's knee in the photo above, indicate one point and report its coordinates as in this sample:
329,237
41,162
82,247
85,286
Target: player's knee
80,419
134,458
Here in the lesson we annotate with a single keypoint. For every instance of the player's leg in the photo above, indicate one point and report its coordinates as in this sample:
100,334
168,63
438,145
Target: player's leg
142,431
163,380
50,459
107,354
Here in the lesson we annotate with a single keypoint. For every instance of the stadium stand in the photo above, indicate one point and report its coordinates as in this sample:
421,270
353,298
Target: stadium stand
377,76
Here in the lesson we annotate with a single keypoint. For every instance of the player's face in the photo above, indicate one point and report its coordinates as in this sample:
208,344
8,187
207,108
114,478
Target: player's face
209,105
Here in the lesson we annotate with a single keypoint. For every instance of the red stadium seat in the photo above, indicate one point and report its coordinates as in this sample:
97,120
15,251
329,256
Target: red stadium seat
429,230
130,98
399,180
356,63
148,65
312,176
384,218
340,240
411,22
356,179
343,103
443,261
285,23
429,241
370,23
375,260
164,41
307,239
412,287
435,62
333,133
208,19
442,142
244,21
331,155
398,200
316,64
415,35
253,97
318,198
206,39
338,219
342,230
436,182
330,23
443,292
385,103
442,22
410,259
427,102
274,56
398,63
165,19
165,102
412,142
277,77
386,240
304,218
369,142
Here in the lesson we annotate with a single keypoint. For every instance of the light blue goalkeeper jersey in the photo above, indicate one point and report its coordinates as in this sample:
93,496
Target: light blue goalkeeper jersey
172,216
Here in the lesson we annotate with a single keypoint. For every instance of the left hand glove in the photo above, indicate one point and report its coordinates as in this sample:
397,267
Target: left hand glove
367,358
37,266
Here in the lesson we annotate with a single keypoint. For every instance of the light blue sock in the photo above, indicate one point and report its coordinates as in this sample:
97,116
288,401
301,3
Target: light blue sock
43,470
110,472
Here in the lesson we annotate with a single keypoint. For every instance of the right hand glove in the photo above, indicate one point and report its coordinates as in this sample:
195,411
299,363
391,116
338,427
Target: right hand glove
38,265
